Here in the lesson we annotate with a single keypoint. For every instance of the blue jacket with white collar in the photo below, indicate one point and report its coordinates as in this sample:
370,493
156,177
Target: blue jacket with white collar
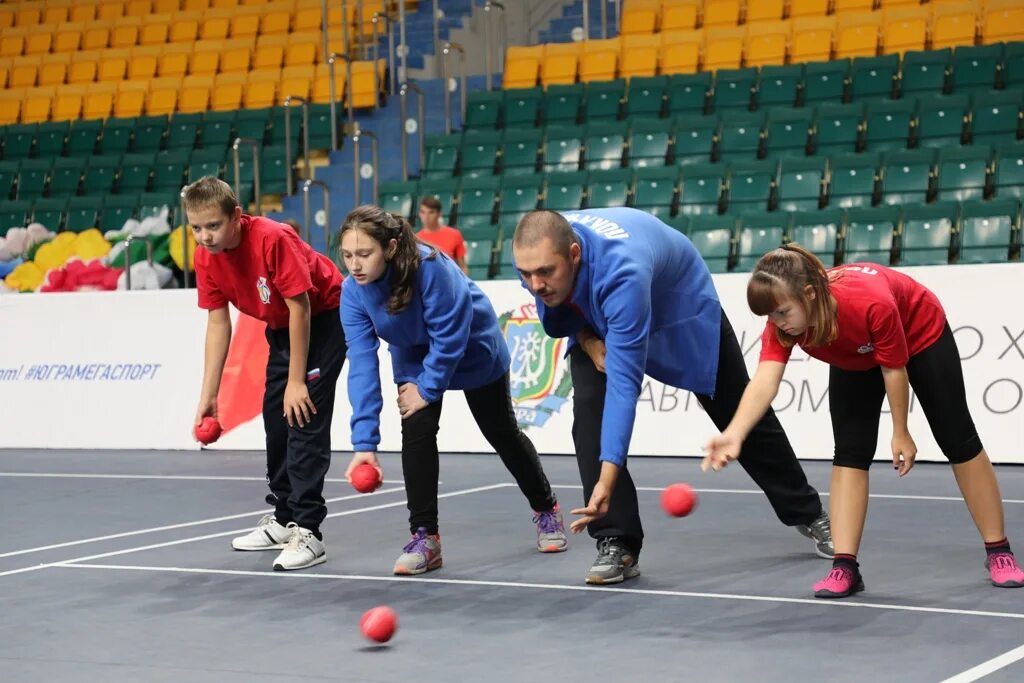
645,290
447,337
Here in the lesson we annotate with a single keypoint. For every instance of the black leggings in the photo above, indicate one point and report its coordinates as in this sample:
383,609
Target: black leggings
492,410
938,381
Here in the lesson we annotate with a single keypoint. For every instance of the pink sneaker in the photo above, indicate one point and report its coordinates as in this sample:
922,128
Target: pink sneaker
1004,570
840,583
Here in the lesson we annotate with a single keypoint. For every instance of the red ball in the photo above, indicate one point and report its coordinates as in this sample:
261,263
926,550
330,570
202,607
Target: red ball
379,624
208,430
678,500
365,478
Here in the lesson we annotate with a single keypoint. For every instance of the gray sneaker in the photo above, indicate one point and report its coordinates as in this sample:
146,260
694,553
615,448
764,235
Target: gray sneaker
420,555
550,531
614,563
819,531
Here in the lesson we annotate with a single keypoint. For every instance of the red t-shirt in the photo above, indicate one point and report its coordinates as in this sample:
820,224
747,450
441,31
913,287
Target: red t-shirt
448,240
270,264
884,318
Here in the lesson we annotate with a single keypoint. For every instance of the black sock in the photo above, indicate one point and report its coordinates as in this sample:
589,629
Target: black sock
843,560
319,536
996,547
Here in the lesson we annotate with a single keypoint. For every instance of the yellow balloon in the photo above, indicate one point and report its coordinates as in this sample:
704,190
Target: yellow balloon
175,247
26,277
90,245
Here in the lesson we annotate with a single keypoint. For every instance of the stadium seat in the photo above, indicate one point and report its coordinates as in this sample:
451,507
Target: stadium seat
927,232
869,234
986,230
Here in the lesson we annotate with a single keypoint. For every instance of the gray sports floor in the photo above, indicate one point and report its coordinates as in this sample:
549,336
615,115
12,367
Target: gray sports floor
115,566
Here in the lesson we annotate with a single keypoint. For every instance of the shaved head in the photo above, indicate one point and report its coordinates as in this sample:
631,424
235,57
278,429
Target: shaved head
542,224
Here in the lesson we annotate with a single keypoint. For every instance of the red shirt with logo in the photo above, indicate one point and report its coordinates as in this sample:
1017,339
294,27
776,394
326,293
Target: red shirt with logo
884,318
269,265
448,240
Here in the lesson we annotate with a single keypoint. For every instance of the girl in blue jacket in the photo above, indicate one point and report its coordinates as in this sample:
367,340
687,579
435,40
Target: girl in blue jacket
442,334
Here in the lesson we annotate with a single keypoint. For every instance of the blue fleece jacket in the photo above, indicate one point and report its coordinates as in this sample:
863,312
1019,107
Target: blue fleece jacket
446,338
644,289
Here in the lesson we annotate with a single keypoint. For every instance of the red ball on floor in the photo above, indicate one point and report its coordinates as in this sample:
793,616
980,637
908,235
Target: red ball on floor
379,624
678,500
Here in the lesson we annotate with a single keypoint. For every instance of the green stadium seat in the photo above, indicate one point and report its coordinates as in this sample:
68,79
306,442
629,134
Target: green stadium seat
117,208
276,126
518,195
700,188
117,136
889,124
603,100
907,176
206,162
750,186
183,131
733,89
759,233
986,230
49,212
274,170
506,269
217,128
779,86
926,234
519,149
818,231
713,237
397,196
562,148
136,170
83,137
649,142
654,190
739,135
996,117
83,213
869,234
19,140
100,174
445,190
150,132
963,172
442,155
1009,174
941,120
687,93
837,128
252,124
51,137
483,108
319,128
561,104
924,72
853,180
604,144
169,170
153,203
478,257
66,176
477,200
825,81
522,107
563,191
874,77
646,96
1013,66
694,136
32,177
8,176
787,132
609,188
478,151
976,67
14,214
801,183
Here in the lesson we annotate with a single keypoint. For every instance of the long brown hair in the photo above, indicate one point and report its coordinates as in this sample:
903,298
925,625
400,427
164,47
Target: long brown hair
384,227
785,273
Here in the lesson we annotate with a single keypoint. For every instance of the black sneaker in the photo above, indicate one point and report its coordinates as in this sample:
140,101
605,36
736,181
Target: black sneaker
614,563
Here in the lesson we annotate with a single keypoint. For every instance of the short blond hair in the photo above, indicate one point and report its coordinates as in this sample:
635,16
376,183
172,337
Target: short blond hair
210,191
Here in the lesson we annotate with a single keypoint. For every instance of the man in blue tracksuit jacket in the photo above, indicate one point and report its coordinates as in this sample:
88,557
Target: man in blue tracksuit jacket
634,297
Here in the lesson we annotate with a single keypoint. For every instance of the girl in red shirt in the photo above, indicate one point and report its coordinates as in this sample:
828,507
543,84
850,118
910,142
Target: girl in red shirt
881,332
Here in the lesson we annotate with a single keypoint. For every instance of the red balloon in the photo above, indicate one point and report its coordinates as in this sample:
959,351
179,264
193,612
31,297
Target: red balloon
365,478
678,500
208,430
379,624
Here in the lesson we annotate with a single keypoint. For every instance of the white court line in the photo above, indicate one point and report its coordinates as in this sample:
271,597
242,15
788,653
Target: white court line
991,666
169,477
827,604
183,525
221,534
896,496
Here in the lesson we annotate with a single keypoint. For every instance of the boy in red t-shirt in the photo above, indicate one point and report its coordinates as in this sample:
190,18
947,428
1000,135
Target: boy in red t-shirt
447,239
266,271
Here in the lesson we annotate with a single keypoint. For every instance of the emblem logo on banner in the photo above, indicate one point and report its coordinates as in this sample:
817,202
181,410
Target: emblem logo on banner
539,377
263,289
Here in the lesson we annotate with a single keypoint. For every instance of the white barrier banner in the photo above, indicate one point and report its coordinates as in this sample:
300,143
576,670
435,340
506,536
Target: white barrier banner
123,370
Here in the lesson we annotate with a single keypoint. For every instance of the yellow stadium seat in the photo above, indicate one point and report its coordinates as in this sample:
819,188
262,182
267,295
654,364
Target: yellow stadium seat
99,101
270,52
67,105
67,37
96,36
174,60
639,17
28,14
335,44
138,8
216,25
10,106
723,47
194,95
600,60
12,42
54,69
227,93
235,59
205,60
296,81
224,4
308,18
131,98
125,32
365,84
261,89
322,85
144,62
857,34
954,24
845,6
166,6
163,96
114,64
194,5
110,10
5,71
84,67
56,12
82,13
38,104
1003,21
39,40
301,48
25,71
155,29
522,66
560,63
722,12
245,22
277,19
808,8
888,4
185,27
765,10
766,43
6,17
679,15
639,55
680,52
905,28
811,38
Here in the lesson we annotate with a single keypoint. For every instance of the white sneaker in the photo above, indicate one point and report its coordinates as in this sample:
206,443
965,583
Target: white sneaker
303,550
268,535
